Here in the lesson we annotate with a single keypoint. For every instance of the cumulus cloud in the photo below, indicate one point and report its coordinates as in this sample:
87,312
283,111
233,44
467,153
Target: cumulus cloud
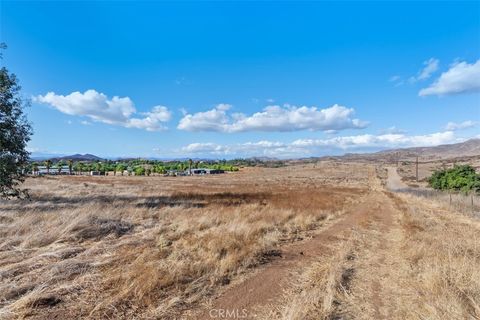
272,118
207,147
390,140
152,121
309,147
263,148
430,66
98,107
462,77
452,126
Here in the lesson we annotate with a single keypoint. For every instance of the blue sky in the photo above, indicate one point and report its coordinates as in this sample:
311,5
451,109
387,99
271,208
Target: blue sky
230,79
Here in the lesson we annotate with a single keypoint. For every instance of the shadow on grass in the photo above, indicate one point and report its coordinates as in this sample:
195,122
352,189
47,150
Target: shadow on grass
185,200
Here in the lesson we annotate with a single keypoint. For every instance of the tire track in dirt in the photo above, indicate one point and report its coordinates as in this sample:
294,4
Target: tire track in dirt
385,223
265,287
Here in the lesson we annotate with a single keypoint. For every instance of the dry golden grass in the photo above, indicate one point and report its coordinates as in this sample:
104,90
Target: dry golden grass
152,247
159,247
443,252
423,264
316,290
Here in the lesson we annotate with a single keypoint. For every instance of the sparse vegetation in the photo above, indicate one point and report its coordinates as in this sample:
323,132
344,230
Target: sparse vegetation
163,247
152,247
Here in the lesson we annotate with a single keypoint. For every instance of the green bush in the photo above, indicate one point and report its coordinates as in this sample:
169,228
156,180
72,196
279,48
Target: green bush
139,171
459,178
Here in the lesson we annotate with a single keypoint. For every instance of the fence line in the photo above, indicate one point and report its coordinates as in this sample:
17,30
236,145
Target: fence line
465,203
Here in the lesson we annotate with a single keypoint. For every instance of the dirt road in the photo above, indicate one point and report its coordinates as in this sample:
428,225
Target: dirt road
394,181
262,291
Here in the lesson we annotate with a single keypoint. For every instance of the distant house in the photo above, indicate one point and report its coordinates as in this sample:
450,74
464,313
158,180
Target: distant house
215,171
42,170
202,171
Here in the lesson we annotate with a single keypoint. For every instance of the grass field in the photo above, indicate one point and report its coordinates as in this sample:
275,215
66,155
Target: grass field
299,242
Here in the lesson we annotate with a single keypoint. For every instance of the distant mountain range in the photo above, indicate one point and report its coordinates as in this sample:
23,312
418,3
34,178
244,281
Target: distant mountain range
468,148
447,151
74,157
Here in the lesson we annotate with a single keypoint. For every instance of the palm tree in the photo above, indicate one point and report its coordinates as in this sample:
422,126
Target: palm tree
59,166
70,165
190,161
48,164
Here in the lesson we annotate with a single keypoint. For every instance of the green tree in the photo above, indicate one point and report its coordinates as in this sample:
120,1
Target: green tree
15,132
121,168
139,171
70,165
48,165
59,166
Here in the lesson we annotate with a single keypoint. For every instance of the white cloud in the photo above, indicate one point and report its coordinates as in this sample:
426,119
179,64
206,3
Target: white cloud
462,77
431,66
392,129
315,147
262,148
272,118
152,121
212,120
98,107
208,147
452,126
389,140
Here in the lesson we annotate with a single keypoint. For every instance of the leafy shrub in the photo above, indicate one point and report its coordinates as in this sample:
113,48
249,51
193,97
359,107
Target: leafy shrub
459,178
139,171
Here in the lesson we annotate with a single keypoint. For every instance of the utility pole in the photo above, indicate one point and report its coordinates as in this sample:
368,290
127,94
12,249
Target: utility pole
416,168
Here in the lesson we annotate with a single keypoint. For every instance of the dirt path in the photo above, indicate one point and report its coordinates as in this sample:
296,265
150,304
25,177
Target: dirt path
265,287
394,181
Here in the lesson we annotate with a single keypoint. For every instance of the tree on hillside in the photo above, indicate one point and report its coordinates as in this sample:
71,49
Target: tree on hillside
15,133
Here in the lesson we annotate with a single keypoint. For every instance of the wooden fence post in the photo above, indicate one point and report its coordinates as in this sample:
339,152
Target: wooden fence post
471,197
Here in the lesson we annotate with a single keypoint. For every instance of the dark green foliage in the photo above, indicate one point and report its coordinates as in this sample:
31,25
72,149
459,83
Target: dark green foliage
459,178
15,133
